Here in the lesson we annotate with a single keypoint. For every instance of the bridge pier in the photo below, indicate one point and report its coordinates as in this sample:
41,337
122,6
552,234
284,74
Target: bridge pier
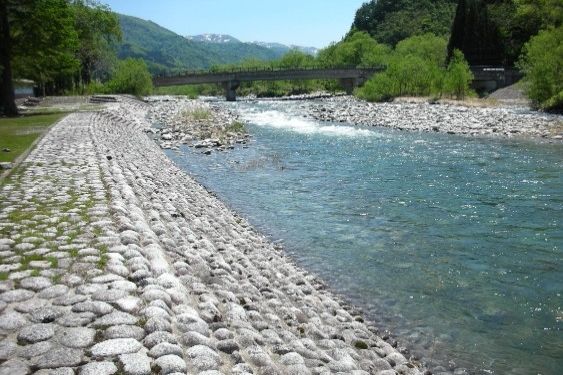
348,84
231,90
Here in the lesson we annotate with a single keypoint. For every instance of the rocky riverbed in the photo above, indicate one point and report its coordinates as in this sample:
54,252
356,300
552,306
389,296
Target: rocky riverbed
113,260
446,118
194,123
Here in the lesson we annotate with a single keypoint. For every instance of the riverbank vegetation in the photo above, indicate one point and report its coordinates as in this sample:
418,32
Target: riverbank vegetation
416,68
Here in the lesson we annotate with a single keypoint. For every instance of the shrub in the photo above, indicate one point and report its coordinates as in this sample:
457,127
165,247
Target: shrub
197,114
236,127
542,65
458,76
95,87
378,89
413,68
131,77
405,75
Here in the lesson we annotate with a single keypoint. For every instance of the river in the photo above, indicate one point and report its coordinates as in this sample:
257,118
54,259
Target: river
453,244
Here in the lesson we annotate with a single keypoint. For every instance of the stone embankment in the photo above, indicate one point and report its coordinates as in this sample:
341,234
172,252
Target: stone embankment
194,123
446,118
114,261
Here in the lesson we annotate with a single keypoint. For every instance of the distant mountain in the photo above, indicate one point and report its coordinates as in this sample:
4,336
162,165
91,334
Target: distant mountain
213,38
278,48
167,52
163,50
283,48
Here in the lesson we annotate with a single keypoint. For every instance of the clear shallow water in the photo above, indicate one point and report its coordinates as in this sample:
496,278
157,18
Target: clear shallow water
454,244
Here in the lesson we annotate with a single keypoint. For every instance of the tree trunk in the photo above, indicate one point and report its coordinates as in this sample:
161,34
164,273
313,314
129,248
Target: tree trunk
7,97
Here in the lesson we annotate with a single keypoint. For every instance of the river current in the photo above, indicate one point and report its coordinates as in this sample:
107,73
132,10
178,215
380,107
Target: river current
453,244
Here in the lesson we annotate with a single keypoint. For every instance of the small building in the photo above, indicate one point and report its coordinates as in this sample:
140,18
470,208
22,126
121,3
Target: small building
24,88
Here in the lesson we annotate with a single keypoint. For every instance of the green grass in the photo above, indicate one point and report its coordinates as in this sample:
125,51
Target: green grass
56,278
235,127
197,114
54,261
103,261
26,259
17,134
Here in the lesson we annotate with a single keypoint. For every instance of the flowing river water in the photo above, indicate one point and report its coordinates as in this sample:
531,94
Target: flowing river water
453,244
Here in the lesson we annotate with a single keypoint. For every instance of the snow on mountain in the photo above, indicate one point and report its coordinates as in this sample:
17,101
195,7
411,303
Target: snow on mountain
213,38
224,38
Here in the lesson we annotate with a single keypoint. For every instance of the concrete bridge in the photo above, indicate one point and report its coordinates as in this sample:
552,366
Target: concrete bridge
349,78
486,78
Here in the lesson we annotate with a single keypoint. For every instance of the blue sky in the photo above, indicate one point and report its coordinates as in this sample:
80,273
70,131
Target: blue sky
303,22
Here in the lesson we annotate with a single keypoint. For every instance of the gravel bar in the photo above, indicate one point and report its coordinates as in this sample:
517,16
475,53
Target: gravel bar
502,121
114,260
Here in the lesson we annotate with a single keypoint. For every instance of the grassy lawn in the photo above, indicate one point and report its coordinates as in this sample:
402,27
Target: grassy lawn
18,133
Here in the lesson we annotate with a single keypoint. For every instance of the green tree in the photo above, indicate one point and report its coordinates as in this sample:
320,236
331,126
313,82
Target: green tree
37,41
381,87
390,21
542,64
458,76
357,49
97,28
415,68
544,13
131,77
428,47
47,53
296,59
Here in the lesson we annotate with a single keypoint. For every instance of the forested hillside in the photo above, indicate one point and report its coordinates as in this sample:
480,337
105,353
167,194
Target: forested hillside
494,32
162,49
167,52
390,21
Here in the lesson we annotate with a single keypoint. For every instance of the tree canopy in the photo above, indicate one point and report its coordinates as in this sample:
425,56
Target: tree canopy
97,28
390,21
542,64
493,32
59,44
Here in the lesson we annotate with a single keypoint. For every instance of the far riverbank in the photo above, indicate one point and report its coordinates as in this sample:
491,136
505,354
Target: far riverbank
446,117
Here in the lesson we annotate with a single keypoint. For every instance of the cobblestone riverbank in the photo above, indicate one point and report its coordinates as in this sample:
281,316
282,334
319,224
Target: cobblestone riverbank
113,260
